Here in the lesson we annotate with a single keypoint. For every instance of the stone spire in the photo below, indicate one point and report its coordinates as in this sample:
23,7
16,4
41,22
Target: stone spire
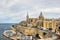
41,16
27,17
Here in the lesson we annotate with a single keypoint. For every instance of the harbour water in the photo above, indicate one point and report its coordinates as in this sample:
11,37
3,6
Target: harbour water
3,27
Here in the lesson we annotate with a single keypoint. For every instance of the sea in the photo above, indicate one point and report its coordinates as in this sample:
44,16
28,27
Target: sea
3,27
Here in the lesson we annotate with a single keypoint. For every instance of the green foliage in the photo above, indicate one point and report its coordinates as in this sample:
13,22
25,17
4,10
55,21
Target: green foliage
1,38
24,22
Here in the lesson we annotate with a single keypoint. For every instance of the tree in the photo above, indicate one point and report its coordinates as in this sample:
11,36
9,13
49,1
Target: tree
23,23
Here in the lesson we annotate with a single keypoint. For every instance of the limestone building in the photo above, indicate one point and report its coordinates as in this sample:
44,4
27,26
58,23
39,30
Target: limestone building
41,21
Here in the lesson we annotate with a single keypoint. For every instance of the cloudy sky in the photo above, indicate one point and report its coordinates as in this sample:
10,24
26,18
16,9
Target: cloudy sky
13,11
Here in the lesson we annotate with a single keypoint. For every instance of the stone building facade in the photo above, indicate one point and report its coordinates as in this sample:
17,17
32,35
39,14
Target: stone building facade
41,21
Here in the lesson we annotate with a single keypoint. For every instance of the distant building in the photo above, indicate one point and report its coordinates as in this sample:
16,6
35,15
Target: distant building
41,21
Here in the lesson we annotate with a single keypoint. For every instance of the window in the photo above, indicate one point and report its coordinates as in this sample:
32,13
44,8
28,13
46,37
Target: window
59,27
44,33
37,35
50,28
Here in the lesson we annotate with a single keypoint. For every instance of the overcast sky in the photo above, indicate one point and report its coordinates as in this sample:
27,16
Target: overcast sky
13,11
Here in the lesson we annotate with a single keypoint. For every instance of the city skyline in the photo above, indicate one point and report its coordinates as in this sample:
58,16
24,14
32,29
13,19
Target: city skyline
13,11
